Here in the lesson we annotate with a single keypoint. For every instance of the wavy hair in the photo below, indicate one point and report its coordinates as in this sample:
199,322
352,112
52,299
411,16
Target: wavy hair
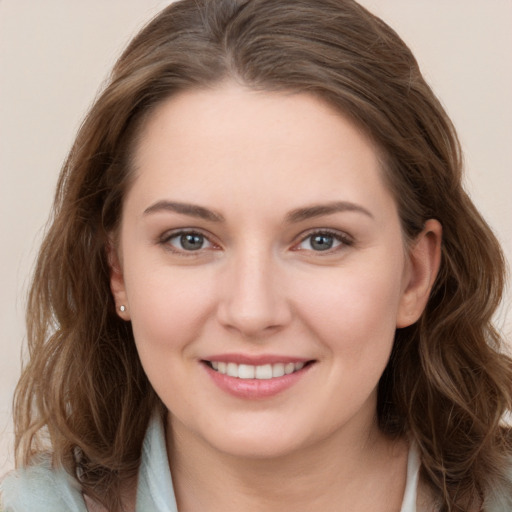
447,385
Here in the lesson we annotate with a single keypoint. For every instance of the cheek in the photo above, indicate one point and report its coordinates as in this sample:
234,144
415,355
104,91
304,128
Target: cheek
168,307
354,309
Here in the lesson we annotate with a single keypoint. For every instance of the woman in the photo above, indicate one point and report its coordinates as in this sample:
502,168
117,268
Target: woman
264,278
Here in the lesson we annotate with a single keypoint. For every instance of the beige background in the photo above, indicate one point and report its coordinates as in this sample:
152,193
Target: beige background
55,54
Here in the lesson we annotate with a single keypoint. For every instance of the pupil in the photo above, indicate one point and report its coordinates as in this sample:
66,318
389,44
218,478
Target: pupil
322,242
191,242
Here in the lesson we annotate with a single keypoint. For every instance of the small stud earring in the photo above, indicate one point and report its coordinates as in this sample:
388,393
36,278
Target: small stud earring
122,309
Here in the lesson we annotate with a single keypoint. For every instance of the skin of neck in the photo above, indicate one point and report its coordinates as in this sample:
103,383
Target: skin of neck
356,468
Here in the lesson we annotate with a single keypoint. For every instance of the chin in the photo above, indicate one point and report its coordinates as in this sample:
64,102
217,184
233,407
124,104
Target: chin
258,447
262,440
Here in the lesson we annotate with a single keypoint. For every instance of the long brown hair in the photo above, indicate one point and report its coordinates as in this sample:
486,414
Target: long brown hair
447,384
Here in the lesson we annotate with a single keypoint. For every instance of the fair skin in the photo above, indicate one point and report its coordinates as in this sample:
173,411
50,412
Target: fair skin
259,232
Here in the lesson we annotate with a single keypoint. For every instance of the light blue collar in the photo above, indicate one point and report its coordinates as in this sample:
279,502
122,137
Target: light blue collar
154,489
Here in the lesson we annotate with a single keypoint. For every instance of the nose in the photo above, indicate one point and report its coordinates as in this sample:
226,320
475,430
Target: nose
254,301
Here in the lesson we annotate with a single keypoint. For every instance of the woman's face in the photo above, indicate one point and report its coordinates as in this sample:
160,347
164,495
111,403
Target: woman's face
263,269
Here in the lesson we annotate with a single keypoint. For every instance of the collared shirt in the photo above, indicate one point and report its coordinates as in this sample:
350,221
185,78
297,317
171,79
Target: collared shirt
43,489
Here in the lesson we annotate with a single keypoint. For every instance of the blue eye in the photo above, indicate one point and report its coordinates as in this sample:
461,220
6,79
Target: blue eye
189,241
323,241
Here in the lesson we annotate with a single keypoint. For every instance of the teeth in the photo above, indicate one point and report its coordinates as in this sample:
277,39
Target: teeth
232,370
278,370
246,371
289,368
262,372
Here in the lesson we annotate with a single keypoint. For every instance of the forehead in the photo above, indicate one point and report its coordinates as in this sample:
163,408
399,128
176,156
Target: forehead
231,141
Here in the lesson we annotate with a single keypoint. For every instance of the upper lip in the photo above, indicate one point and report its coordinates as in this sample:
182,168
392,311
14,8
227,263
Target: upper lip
255,360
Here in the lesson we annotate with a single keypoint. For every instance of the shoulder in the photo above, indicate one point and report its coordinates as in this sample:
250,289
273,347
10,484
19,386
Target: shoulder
500,497
40,487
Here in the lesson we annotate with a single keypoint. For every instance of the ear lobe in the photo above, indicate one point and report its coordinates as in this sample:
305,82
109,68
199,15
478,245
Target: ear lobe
117,286
424,259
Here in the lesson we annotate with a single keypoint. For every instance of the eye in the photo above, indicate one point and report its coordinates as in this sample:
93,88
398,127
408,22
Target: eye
321,241
187,241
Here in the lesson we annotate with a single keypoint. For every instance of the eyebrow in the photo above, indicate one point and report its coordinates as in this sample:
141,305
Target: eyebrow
297,215
309,212
185,209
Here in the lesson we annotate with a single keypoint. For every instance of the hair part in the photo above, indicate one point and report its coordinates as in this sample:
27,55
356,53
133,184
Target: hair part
447,384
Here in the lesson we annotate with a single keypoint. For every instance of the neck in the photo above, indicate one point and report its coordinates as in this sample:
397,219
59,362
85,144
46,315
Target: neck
344,471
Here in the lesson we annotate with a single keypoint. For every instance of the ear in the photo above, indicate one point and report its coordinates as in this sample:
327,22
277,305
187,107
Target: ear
424,258
117,285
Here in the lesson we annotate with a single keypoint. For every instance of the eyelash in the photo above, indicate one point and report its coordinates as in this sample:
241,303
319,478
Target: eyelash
343,241
165,240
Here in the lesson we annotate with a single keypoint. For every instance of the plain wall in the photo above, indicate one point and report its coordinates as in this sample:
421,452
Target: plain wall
55,54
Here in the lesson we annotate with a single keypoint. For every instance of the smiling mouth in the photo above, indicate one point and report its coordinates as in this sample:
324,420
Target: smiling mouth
260,372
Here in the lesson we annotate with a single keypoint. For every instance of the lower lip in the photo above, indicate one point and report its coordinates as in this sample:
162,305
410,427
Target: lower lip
255,388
